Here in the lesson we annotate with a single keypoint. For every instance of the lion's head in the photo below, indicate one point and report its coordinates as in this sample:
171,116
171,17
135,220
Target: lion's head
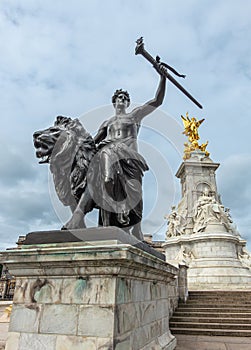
45,140
68,148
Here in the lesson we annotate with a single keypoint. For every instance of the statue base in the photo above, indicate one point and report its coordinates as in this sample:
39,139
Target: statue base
103,235
201,233
90,295
212,258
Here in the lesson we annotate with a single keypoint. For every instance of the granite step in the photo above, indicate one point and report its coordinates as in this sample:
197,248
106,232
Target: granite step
241,298
205,325
219,299
216,308
214,294
223,313
241,307
213,314
211,319
219,291
213,332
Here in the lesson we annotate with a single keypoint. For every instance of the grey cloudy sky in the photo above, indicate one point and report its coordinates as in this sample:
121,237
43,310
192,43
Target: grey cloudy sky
67,58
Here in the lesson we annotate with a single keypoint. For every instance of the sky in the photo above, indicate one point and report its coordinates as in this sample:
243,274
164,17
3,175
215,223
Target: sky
67,58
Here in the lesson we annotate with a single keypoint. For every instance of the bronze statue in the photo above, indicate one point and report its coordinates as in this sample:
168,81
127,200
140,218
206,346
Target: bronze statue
68,148
120,166
104,172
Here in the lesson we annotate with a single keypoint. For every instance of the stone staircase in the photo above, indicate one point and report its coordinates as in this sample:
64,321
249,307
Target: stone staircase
223,313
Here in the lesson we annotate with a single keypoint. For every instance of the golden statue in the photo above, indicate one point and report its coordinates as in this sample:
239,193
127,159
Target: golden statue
191,131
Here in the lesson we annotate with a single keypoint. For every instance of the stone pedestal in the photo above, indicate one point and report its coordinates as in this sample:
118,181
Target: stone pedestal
212,259
90,295
201,232
196,174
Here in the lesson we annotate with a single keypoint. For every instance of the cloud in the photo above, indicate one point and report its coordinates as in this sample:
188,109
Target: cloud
24,196
14,166
234,182
235,187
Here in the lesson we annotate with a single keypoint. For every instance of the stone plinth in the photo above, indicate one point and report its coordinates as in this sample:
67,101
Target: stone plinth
72,296
201,232
212,259
195,174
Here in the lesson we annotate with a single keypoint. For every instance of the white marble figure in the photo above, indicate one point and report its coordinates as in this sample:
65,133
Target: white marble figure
184,255
245,257
233,226
175,224
209,211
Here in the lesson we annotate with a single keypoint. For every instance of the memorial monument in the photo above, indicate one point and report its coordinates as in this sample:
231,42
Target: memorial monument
201,232
102,287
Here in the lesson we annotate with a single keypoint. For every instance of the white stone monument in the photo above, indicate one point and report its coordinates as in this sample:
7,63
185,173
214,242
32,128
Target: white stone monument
201,232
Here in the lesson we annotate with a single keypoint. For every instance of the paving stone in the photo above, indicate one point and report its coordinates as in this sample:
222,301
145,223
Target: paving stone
238,347
3,331
183,345
234,340
190,342
13,340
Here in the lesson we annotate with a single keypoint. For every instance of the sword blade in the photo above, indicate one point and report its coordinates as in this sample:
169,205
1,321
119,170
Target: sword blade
180,87
139,50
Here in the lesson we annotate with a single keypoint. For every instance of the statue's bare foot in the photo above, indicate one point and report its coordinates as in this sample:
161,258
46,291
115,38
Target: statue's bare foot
76,222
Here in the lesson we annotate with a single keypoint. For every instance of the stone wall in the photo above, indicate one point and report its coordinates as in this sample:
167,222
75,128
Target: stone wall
55,311
143,313
82,297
